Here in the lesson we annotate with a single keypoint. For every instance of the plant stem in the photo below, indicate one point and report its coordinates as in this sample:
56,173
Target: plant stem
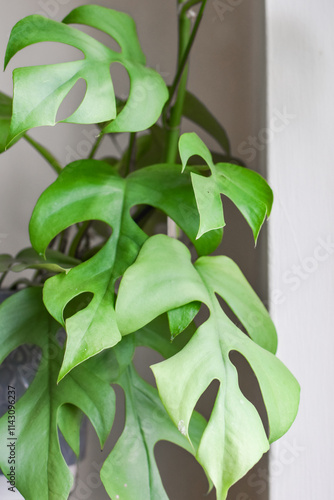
186,40
131,153
77,238
4,274
174,120
95,146
187,48
45,153
187,5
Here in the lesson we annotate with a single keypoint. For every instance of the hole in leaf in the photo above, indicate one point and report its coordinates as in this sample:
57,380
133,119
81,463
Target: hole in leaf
99,35
45,53
77,304
181,475
117,283
99,231
87,238
119,422
121,81
18,370
203,315
150,219
207,400
72,100
249,385
229,313
145,357
199,161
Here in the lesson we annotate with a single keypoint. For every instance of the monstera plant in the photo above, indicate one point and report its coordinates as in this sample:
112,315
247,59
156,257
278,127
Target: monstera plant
103,273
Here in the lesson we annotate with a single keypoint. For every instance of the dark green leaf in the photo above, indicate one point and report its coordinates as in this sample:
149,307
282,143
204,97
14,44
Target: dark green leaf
69,422
198,113
156,335
24,320
181,317
6,261
54,261
5,118
90,190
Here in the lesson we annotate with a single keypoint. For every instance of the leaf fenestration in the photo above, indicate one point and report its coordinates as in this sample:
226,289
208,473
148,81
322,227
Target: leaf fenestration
146,423
24,320
246,188
91,190
234,439
48,85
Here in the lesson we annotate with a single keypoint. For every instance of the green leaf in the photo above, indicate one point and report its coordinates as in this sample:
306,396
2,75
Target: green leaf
24,319
247,189
6,261
234,439
198,113
156,335
235,290
69,422
54,261
87,190
163,187
130,471
48,85
190,145
90,190
181,317
150,148
5,117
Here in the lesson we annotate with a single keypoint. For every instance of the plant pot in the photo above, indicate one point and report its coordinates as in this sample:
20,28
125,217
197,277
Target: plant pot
18,370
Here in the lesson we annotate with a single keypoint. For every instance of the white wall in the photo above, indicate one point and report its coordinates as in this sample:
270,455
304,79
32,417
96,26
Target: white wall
301,82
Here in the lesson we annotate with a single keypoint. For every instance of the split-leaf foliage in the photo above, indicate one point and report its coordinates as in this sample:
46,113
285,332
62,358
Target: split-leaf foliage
102,274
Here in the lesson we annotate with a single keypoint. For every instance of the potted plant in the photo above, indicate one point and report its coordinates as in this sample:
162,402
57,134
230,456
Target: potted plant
103,275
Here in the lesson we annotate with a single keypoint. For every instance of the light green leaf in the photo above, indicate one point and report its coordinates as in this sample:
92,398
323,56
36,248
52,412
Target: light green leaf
48,85
225,278
198,113
234,439
206,190
24,320
90,190
190,145
131,471
247,189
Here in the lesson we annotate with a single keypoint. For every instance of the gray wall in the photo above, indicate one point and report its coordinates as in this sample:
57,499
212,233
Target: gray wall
228,72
